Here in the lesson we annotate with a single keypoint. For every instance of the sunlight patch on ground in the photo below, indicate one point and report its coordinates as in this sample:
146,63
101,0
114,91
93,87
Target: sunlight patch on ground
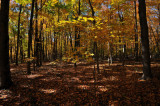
140,72
26,86
129,73
102,88
91,66
34,76
12,69
4,94
91,81
134,65
48,79
83,86
113,103
48,90
112,78
108,69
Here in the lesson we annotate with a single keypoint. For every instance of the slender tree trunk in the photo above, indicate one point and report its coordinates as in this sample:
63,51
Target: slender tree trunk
40,38
11,60
55,46
70,34
36,36
159,13
158,29
77,31
18,35
30,33
95,43
156,41
5,77
145,41
136,33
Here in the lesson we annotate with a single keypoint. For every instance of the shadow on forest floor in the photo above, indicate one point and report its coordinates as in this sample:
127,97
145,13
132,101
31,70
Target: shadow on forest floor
62,84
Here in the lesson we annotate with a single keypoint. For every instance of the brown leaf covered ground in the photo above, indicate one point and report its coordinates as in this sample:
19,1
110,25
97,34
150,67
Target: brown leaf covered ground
62,84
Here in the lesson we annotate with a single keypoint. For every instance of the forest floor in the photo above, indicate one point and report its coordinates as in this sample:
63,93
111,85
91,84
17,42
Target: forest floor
58,83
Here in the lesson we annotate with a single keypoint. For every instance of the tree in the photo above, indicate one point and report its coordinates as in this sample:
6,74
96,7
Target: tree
30,32
5,77
18,35
136,31
145,41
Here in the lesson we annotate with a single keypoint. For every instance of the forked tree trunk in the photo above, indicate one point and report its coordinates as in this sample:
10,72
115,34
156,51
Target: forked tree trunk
5,77
145,41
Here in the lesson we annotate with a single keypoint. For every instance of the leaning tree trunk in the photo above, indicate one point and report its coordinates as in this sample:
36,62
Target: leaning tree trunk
145,41
5,78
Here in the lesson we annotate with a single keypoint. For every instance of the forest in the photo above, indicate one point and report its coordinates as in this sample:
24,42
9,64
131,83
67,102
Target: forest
80,52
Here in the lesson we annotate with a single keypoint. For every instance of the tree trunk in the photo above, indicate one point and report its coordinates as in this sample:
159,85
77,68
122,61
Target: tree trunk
145,41
30,38
40,37
18,35
95,42
36,54
77,32
5,77
136,33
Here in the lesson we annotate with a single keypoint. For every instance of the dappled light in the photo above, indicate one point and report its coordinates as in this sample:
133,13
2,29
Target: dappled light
34,76
5,94
49,91
115,84
83,87
103,88
80,53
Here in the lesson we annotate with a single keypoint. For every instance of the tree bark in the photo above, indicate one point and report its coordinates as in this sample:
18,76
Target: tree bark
5,77
37,44
136,33
40,38
18,35
96,52
77,31
30,38
145,41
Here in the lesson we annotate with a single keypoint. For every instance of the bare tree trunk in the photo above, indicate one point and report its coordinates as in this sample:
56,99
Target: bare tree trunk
77,32
145,41
5,77
136,33
30,32
95,43
40,38
36,54
18,35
